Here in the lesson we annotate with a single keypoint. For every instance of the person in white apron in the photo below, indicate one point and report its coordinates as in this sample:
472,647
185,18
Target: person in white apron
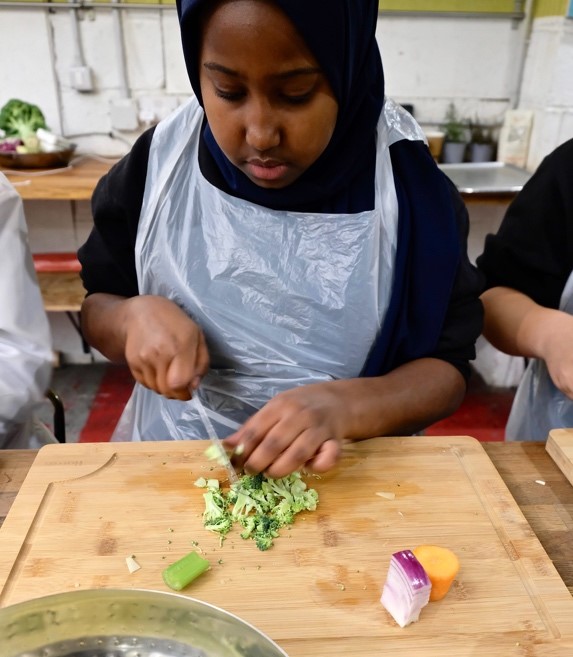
529,303
25,341
294,242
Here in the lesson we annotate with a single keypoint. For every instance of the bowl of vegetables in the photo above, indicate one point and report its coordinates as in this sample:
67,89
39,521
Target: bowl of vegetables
127,622
26,142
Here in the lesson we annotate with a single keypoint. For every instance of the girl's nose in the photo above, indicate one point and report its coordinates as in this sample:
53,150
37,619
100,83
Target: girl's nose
262,129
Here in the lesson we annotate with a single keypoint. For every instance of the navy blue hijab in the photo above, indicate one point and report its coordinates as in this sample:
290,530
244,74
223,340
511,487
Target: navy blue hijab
341,35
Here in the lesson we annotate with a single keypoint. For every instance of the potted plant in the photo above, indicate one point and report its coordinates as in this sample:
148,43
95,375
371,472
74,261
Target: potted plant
482,143
455,140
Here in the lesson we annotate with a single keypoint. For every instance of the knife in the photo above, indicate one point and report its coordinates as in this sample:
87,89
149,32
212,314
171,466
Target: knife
223,457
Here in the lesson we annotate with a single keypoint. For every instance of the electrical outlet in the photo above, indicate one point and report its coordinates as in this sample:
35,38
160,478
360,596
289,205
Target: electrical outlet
81,78
124,114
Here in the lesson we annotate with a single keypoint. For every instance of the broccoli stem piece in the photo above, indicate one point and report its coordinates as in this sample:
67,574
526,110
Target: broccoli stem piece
180,574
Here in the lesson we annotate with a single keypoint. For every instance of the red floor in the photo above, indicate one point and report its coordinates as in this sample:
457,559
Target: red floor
108,403
482,415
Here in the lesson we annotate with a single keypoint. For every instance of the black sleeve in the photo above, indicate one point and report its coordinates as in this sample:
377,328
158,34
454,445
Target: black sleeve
464,319
108,256
533,249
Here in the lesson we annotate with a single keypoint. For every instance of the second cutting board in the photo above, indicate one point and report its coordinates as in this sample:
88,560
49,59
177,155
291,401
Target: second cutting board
560,447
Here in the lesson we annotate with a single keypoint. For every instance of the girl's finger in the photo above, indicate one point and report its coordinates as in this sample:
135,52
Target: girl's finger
145,375
249,436
326,457
201,358
178,377
296,451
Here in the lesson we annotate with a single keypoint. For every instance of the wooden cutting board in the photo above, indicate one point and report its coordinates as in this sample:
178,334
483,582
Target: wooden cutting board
559,446
84,508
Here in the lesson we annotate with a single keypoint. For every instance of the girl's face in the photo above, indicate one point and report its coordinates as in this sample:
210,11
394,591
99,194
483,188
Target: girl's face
270,107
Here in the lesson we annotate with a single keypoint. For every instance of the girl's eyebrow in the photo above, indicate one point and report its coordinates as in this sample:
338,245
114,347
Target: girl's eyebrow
306,70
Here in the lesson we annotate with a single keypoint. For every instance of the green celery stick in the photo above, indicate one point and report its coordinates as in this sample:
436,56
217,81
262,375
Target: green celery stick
181,573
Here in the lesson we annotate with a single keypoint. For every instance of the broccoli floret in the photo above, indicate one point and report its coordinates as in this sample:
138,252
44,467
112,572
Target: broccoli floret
294,490
243,505
232,496
249,523
21,119
264,542
221,525
216,517
283,513
252,482
310,497
266,530
266,526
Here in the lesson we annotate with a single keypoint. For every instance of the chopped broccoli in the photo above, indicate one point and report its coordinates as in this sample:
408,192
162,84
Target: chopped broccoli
266,526
283,512
249,523
216,517
260,505
263,542
21,119
252,482
243,506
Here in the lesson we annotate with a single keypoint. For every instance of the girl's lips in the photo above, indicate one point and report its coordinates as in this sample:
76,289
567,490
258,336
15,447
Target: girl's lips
267,171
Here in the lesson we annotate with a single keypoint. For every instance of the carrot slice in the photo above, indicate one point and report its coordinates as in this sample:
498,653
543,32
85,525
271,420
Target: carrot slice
441,566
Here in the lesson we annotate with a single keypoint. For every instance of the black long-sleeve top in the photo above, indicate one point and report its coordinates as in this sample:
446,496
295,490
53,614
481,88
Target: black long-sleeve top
532,252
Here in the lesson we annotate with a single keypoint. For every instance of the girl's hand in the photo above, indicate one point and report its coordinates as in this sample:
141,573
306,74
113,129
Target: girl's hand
557,349
299,427
164,347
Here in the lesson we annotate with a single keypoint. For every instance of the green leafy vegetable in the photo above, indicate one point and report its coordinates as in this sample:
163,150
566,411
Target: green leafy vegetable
180,574
261,506
21,119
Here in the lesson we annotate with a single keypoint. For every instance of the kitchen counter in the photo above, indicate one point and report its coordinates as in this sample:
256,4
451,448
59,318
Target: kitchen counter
72,183
486,178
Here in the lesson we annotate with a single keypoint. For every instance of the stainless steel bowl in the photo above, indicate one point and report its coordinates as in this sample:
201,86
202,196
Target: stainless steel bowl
127,623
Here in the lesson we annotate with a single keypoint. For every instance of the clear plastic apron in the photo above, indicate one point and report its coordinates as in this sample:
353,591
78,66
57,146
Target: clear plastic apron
539,405
284,298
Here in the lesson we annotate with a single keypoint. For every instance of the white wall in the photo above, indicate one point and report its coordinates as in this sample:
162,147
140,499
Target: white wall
547,86
430,62
476,62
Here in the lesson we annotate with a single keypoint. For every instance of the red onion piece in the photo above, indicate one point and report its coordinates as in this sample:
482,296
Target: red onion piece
407,588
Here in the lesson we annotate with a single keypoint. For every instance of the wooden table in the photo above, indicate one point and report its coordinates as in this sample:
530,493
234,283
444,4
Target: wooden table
74,183
548,508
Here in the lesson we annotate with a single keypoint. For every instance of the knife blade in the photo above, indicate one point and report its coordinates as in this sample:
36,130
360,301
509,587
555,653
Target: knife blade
223,457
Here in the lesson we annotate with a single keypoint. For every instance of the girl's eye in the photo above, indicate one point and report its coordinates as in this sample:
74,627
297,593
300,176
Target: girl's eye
228,95
299,99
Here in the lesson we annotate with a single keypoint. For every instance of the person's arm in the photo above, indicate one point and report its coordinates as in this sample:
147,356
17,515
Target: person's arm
306,426
164,349
516,325
527,264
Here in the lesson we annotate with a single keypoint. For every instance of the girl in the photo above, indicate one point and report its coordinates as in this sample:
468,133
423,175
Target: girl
282,252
